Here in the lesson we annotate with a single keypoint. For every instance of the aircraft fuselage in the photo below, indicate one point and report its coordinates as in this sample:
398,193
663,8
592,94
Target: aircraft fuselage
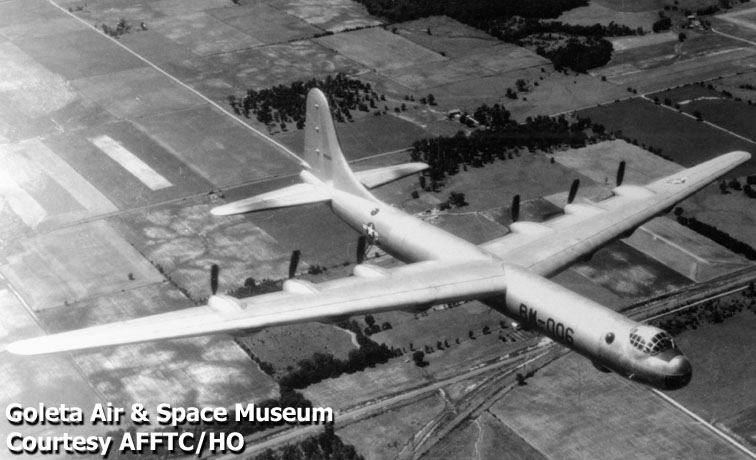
591,329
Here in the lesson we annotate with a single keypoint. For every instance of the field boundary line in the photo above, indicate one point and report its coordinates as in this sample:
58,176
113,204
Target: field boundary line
708,425
731,133
214,104
733,20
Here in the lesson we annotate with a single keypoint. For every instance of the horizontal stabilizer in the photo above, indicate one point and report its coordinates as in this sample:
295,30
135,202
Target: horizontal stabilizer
372,178
292,195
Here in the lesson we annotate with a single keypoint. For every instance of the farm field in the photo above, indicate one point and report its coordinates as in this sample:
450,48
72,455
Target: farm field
118,155
731,115
379,49
528,174
616,417
50,380
386,435
640,41
687,94
692,255
741,27
600,161
350,390
498,59
371,135
285,346
629,273
452,326
723,384
733,213
485,436
52,269
682,138
702,56
184,240
743,17
111,167
596,13
447,36
330,15
733,85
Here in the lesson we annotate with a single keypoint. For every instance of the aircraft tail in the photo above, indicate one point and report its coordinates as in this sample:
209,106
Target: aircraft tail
325,165
322,151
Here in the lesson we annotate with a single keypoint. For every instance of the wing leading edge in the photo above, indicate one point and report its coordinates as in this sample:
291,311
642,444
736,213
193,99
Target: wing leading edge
551,246
410,286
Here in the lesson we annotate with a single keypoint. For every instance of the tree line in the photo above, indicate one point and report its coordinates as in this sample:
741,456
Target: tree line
718,236
570,46
497,138
408,10
712,312
323,366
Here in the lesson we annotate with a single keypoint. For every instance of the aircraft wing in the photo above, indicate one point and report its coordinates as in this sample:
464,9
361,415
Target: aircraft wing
546,248
374,289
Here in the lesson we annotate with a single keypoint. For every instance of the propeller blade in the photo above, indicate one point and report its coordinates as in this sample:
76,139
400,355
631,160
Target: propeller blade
573,190
515,208
293,263
214,272
361,245
620,173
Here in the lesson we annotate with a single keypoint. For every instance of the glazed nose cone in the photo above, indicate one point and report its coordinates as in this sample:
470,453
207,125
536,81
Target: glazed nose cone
680,373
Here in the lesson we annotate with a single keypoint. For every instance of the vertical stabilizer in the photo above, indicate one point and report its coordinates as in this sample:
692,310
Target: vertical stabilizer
322,151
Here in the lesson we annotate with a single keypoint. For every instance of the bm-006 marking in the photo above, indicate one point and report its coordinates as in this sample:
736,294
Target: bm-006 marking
552,327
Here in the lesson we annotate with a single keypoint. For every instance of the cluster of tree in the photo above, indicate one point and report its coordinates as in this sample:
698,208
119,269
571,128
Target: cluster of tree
734,184
372,326
708,11
283,104
418,358
712,312
579,54
662,25
326,446
515,20
718,236
323,366
121,28
496,140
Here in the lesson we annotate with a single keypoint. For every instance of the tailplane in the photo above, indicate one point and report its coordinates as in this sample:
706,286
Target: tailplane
326,169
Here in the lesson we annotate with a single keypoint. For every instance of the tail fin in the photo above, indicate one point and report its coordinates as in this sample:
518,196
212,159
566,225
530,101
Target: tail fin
322,151
325,161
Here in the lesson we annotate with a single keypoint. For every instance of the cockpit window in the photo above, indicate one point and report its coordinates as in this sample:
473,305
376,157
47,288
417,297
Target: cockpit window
661,342
656,343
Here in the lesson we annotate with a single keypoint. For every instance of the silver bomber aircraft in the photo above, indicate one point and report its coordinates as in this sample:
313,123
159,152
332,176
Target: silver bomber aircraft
509,273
